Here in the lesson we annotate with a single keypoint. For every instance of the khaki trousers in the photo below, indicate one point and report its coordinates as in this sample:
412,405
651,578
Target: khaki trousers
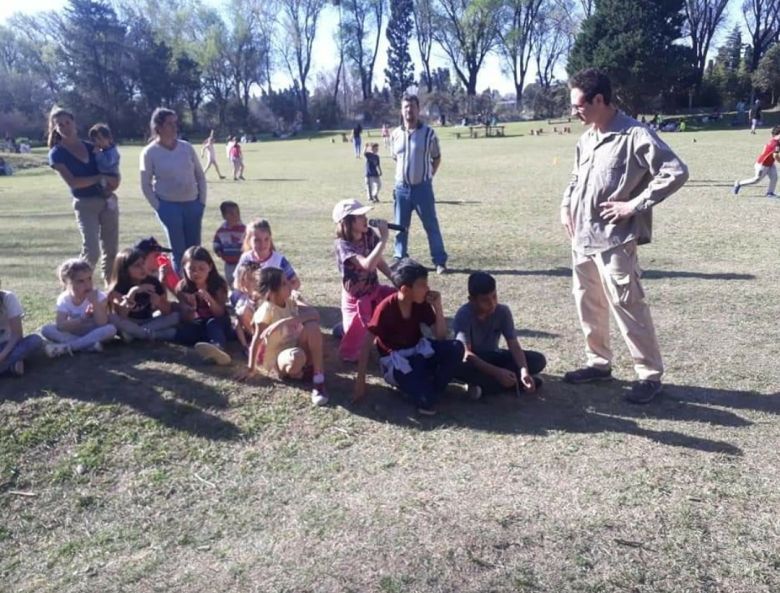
610,280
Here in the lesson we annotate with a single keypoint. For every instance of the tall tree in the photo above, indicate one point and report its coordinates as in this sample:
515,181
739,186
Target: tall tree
703,18
554,33
516,39
762,19
423,26
362,32
467,31
248,48
634,41
400,70
299,19
93,54
587,7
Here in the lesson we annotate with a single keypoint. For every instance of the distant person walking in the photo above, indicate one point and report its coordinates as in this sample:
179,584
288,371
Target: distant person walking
357,140
622,170
755,116
94,200
173,182
209,151
415,150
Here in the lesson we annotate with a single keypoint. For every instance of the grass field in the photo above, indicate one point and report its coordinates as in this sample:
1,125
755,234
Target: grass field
143,470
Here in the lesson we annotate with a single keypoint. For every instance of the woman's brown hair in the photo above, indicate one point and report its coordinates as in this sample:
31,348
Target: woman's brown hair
54,135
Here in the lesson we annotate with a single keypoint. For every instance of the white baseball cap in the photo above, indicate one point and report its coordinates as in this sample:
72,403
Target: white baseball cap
346,207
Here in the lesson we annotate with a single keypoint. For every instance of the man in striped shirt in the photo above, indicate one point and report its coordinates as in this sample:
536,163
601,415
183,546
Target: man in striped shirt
415,150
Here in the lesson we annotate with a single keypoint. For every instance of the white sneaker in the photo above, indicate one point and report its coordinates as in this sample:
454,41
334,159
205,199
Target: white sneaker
213,353
96,347
474,392
53,349
319,397
441,270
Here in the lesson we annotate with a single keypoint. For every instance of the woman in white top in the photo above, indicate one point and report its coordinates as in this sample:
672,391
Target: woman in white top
208,150
173,182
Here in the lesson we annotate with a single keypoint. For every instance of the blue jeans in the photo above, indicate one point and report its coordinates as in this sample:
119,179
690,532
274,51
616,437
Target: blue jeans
429,377
181,222
357,143
26,346
216,330
418,198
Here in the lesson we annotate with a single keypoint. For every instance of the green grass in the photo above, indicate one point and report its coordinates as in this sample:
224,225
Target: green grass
152,472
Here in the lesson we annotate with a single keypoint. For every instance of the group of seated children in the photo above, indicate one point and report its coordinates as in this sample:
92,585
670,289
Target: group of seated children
391,319
278,331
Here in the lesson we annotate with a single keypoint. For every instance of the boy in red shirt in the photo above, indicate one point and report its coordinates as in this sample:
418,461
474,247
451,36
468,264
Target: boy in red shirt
229,239
419,367
765,165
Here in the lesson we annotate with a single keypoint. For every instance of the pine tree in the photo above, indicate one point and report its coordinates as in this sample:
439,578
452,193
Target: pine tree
634,42
400,69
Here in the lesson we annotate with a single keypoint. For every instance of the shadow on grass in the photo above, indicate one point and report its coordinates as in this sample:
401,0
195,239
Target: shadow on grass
646,274
457,202
122,375
560,407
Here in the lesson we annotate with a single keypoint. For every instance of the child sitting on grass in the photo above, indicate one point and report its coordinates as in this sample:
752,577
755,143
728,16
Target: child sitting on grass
82,313
487,369
15,347
286,335
139,306
202,295
419,367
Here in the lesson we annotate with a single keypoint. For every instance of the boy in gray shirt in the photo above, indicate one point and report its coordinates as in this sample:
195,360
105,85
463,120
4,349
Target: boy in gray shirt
479,324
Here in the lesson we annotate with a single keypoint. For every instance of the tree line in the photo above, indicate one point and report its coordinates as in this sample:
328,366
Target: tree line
115,61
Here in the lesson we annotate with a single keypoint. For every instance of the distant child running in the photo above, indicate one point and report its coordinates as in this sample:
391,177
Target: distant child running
479,324
208,150
359,256
202,295
765,166
229,238
373,172
419,367
259,248
138,305
15,347
286,335
82,313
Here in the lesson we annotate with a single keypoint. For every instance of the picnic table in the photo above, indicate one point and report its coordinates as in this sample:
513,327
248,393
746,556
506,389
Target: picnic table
487,130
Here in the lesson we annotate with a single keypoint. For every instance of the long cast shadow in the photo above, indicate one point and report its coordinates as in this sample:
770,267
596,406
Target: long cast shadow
646,274
121,375
561,407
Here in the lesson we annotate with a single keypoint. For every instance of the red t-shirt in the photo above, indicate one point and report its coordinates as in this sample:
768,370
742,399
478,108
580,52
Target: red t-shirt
392,330
767,156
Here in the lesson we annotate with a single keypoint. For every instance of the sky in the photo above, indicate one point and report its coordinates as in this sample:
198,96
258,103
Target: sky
326,55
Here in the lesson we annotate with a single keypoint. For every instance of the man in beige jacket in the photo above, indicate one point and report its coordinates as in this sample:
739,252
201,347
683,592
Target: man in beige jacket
621,171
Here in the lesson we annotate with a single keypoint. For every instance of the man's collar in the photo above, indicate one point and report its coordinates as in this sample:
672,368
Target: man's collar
417,127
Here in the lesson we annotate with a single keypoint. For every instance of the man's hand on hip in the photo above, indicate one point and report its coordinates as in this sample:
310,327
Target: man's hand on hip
614,212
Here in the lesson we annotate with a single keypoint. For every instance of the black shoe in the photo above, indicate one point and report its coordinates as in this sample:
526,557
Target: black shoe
643,392
588,375
538,382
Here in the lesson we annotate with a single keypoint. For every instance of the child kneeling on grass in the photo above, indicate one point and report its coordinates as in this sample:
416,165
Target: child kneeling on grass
286,335
487,369
82,313
419,367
